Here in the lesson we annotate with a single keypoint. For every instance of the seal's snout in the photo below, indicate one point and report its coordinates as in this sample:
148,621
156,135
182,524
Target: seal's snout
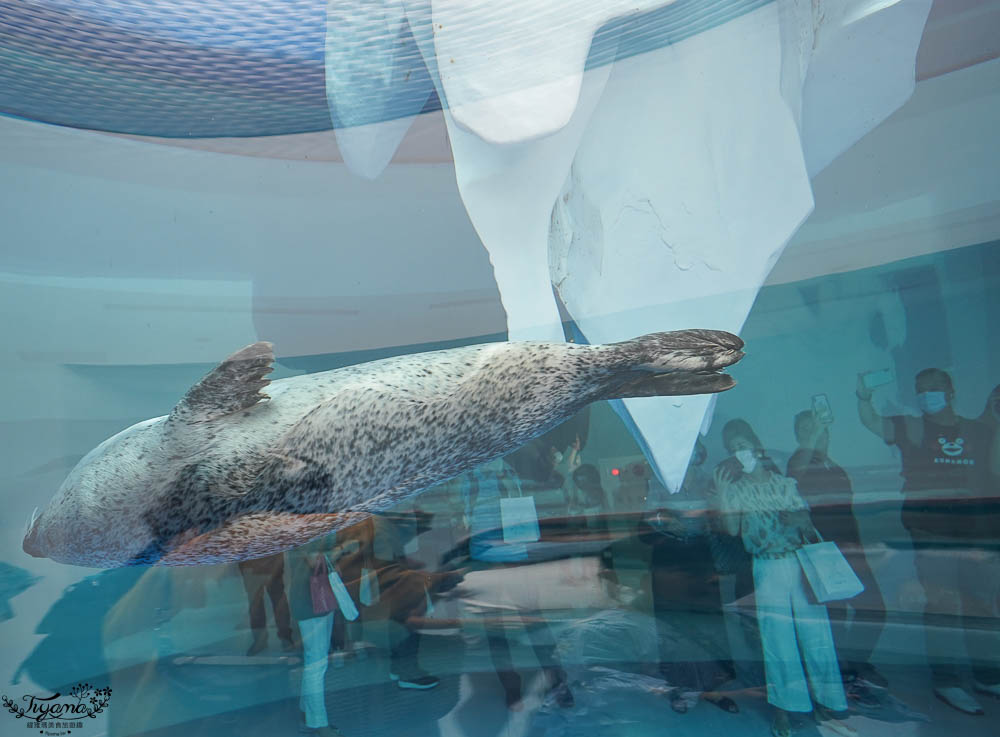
31,544
726,340
716,349
717,340
686,350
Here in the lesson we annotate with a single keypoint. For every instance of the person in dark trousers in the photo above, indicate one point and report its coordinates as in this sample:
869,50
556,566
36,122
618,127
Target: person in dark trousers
387,587
827,489
946,474
685,584
262,575
483,490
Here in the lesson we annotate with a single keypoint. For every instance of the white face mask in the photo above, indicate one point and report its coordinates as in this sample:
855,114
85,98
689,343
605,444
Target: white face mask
748,459
932,402
557,457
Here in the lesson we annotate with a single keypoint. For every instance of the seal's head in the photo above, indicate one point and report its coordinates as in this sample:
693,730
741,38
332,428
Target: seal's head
101,497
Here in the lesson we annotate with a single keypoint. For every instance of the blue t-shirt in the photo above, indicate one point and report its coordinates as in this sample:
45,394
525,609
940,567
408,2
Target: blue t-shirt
482,490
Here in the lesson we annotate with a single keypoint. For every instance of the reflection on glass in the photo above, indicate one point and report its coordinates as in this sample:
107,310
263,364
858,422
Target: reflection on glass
365,534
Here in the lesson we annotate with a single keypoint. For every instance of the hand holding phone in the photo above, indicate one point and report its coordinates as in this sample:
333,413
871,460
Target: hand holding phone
873,379
822,409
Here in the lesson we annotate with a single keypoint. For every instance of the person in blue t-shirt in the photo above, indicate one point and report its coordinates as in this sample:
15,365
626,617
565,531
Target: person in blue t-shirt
482,489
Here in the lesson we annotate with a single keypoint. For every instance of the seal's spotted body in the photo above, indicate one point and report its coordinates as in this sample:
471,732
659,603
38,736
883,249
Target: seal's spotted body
232,473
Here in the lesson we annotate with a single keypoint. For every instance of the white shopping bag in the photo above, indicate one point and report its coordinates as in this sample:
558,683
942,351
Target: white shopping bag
519,520
828,572
430,605
369,593
340,593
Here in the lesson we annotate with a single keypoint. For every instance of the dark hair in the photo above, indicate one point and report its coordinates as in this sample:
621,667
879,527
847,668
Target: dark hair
937,374
740,428
587,475
588,479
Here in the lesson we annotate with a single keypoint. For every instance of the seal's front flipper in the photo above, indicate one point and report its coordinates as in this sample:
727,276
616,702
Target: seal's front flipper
233,385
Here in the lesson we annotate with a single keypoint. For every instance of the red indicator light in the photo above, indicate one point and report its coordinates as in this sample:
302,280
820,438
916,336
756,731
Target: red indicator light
615,472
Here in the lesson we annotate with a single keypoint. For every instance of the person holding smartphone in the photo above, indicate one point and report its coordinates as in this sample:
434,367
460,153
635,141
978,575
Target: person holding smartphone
765,510
827,489
945,462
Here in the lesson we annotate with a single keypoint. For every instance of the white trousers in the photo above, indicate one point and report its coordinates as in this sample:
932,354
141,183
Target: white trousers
316,633
794,631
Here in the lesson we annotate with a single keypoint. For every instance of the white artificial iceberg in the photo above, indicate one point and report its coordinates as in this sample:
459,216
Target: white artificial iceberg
376,80
656,192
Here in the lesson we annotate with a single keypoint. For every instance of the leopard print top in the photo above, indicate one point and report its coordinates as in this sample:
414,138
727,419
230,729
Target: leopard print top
762,508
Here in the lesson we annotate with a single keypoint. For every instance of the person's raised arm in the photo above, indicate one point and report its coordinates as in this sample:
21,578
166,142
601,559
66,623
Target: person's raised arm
869,417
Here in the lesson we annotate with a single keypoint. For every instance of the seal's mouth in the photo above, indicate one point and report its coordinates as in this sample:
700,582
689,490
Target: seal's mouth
697,382
701,359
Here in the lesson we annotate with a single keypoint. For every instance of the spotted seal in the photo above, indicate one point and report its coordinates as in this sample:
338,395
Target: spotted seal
233,473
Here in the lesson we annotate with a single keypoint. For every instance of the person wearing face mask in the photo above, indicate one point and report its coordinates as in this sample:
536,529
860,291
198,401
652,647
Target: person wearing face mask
765,510
945,461
827,489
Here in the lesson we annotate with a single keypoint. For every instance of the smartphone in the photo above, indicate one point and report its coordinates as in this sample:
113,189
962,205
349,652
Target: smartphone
822,409
872,379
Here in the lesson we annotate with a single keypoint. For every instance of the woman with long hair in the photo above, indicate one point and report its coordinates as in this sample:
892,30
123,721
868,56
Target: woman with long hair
764,508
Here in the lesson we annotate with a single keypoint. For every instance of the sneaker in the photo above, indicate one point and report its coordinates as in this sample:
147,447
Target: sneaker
859,693
990,689
327,731
867,672
958,698
419,680
838,727
781,727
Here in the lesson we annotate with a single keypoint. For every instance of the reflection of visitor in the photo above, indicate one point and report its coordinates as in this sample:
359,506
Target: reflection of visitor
315,629
587,493
260,575
685,588
13,581
618,649
765,509
483,488
382,581
822,482
945,462
991,412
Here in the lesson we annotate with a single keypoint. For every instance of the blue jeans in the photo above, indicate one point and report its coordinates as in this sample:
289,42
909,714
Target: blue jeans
316,633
